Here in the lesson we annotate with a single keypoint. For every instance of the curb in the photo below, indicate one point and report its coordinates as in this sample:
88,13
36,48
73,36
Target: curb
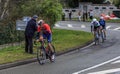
23,62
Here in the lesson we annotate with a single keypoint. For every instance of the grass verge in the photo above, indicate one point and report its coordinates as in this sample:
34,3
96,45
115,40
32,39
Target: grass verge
62,40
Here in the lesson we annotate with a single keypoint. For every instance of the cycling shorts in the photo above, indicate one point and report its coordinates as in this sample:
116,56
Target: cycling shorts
103,27
47,36
96,27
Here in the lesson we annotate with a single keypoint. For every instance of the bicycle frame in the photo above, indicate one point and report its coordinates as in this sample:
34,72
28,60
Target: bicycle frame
96,36
46,50
102,33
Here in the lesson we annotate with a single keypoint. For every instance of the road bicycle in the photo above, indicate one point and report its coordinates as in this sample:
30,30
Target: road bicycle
102,34
44,52
96,37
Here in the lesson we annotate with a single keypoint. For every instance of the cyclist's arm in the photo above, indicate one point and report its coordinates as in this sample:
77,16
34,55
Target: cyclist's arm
91,26
98,23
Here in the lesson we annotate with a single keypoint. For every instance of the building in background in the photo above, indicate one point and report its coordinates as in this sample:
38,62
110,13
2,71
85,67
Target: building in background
86,7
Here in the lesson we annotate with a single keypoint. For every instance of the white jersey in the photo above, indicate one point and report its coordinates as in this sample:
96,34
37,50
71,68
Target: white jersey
95,23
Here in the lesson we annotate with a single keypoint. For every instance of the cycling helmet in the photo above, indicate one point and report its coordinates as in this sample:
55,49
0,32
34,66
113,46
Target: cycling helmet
94,19
40,22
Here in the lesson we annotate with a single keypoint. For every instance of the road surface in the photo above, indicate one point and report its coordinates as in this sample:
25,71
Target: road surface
99,59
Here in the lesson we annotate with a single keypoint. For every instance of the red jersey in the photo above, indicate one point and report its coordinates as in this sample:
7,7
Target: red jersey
38,28
46,28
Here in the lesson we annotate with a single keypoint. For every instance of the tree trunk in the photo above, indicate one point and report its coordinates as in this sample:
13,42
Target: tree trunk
4,9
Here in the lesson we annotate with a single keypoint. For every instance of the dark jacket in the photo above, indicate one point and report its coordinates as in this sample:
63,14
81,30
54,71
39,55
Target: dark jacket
31,28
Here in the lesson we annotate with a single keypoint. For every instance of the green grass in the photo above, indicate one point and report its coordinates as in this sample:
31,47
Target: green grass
12,54
62,40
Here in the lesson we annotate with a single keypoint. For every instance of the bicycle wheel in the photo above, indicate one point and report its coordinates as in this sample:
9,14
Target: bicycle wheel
41,56
96,40
51,54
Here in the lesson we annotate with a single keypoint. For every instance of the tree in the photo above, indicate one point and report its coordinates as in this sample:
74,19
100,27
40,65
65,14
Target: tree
73,3
93,1
49,10
116,2
5,9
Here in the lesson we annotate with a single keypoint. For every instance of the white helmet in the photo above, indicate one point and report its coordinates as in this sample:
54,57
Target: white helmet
94,19
40,22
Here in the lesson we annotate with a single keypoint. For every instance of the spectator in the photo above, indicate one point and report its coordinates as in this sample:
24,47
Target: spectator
84,16
63,16
91,14
79,15
70,14
29,33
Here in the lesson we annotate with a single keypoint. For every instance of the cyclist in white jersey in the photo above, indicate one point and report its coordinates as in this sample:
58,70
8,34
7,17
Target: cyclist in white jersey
95,26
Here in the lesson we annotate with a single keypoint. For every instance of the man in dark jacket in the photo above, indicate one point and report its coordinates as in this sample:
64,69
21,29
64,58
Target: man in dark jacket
29,33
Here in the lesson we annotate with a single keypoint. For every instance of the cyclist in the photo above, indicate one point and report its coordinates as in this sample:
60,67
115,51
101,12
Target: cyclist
103,26
95,26
45,33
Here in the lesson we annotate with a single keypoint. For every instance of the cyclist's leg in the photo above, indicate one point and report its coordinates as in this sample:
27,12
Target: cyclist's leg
94,29
104,31
49,39
42,38
99,30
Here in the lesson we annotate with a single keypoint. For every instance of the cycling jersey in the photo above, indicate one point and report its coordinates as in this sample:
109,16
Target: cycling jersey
46,32
95,23
102,22
46,28
38,28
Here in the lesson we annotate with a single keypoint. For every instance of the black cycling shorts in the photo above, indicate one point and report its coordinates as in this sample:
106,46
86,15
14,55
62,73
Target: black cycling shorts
96,27
103,27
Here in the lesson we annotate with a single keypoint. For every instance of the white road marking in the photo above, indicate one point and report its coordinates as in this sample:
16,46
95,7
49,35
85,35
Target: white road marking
57,25
69,25
87,46
108,27
83,26
118,61
96,65
106,71
117,28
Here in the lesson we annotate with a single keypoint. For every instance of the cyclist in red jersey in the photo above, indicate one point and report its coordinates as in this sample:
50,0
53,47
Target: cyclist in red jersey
45,33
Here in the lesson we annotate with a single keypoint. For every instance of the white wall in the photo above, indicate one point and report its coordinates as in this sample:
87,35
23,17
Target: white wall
93,7
74,12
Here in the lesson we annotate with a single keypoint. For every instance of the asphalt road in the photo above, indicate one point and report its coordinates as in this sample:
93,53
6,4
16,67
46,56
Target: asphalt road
99,59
